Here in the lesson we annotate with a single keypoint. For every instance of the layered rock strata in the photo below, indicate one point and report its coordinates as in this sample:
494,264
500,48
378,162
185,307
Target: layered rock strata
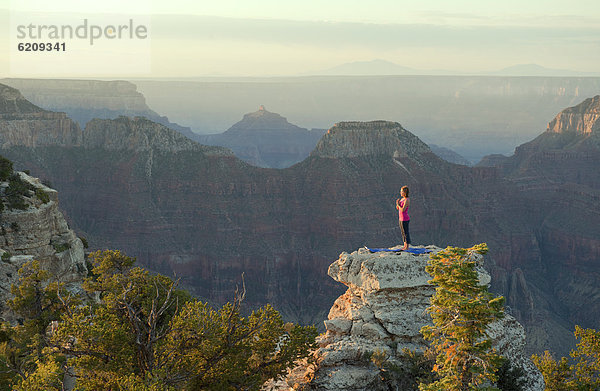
84,100
581,119
354,139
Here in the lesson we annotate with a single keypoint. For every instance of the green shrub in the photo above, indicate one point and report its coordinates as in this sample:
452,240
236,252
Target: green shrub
510,377
42,196
412,368
16,202
14,226
59,248
84,242
17,188
6,256
6,168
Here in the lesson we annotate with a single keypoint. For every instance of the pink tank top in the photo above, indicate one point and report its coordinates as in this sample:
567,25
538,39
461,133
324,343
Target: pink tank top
403,215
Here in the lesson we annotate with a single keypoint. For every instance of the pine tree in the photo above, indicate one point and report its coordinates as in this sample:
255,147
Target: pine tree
461,310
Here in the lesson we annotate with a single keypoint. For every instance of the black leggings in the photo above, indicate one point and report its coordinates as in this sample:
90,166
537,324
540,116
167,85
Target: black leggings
405,233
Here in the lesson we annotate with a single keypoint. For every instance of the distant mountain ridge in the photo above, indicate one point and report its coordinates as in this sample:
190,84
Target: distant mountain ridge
373,67
384,67
537,70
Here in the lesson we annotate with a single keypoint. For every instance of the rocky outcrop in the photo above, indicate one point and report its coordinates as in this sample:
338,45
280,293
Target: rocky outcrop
12,102
354,139
264,120
266,139
24,124
383,310
84,100
59,93
581,119
557,176
141,134
37,231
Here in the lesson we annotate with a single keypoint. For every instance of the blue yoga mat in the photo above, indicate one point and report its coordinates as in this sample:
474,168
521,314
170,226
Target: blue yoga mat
410,250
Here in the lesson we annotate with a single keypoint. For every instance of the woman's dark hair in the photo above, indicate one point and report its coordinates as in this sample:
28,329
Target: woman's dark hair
405,190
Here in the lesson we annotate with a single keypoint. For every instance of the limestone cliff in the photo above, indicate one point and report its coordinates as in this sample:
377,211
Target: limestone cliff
84,100
354,139
383,310
581,119
557,174
572,136
140,134
38,231
25,124
12,102
56,93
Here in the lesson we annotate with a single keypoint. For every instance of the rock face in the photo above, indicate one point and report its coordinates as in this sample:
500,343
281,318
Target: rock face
449,155
354,139
383,310
28,125
266,139
84,100
557,175
140,134
39,232
581,119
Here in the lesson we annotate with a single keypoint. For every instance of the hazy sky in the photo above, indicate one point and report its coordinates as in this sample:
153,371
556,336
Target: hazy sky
269,37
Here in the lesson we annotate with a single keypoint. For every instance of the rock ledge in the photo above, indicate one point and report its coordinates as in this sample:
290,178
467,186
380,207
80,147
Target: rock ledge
383,310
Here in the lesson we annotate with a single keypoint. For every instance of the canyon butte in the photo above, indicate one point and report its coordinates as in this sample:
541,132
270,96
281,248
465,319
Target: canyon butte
200,212
266,139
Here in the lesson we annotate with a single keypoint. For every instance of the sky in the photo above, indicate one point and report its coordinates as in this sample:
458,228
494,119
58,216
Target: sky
194,38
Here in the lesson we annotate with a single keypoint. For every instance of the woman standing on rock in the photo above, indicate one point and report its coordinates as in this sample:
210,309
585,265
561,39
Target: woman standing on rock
402,205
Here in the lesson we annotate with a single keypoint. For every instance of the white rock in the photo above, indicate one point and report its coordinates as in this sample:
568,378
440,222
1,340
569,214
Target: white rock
384,310
338,325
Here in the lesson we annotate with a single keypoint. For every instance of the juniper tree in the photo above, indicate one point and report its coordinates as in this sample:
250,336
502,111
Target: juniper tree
140,333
